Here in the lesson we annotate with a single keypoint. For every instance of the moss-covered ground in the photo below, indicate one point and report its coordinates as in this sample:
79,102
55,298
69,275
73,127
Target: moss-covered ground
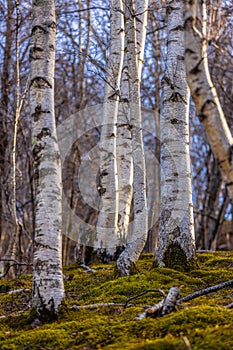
202,323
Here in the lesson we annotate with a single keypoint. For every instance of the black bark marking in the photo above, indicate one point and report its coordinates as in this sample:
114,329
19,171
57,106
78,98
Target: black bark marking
196,69
189,51
46,246
174,121
169,9
35,53
104,173
52,47
44,132
101,190
176,97
38,112
179,27
230,154
206,105
180,57
197,91
167,80
127,126
39,29
40,83
52,25
202,117
36,152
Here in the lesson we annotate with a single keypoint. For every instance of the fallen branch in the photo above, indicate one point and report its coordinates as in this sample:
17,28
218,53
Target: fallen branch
206,291
168,304
229,306
143,293
165,306
87,268
94,306
19,290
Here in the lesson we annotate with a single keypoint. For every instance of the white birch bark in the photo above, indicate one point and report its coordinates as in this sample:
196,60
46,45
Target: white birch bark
124,140
176,231
107,235
137,242
203,91
48,289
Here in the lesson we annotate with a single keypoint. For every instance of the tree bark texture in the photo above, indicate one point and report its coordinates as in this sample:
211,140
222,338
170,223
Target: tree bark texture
48,289
140,225
107,233
176,244
203,91
124,139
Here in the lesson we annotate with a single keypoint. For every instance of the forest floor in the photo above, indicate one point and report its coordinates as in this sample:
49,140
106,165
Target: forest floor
202,323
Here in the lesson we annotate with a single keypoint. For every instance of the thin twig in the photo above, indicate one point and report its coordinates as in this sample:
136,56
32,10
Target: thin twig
143,293
87,268
229,306
95,306
205,291
19,291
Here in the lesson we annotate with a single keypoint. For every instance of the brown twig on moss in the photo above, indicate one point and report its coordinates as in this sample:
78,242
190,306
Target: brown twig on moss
143,293
164,307
206,291
95,306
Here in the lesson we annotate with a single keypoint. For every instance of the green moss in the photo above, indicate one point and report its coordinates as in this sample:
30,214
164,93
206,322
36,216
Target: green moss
175,258
206,325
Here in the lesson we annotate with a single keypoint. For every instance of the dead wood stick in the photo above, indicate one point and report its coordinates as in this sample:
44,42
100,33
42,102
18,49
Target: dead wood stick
206,291
19,291
87,268
164,307
94,306
143,293
229,306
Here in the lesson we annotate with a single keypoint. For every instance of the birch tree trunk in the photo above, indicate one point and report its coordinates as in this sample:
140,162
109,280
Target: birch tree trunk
48,289
124,156
137,242
176,245
107,233
124,140
203,91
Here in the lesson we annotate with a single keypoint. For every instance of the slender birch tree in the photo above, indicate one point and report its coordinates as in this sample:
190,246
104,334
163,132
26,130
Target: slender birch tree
48,289
137,242
203,91
124,140
107,233
176,244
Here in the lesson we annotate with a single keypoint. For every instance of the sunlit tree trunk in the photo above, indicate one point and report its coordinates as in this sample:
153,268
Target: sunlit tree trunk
137,242
203,91
107,233
48,289
176,245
